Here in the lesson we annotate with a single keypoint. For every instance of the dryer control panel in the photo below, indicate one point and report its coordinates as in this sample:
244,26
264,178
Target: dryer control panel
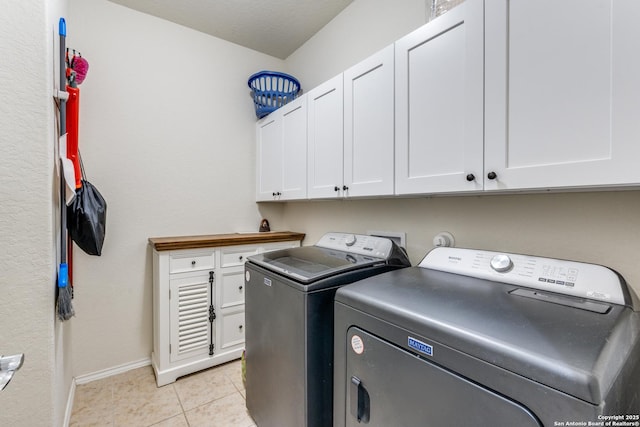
578,279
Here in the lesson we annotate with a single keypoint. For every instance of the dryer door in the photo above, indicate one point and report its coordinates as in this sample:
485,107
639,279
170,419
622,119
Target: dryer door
388,386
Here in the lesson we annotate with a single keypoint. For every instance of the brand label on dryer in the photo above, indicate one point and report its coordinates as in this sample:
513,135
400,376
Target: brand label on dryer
357,345
420,346
267,281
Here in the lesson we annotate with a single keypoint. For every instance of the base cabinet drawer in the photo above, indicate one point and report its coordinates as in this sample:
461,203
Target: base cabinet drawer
182,262
232,287
236,256
233,328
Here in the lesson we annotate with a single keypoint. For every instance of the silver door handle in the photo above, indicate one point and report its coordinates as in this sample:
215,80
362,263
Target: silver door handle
8,366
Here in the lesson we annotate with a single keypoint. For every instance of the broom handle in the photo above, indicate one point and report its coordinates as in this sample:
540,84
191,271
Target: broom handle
62,30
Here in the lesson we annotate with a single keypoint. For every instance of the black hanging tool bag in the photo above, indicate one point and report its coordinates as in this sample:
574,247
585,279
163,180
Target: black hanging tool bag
87,217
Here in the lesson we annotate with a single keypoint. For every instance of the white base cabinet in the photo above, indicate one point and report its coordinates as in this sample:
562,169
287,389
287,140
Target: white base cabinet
198,307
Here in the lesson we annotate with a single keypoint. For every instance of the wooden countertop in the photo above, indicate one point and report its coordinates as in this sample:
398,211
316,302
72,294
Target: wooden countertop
214,240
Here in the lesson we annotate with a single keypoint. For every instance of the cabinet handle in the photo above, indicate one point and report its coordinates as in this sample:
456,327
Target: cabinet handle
240,327
240,258
471,177
193,262
345,188
240,287
273,194
492,175
336,188
278,193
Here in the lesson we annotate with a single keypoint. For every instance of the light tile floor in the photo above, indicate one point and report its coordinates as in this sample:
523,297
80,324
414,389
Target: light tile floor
211,398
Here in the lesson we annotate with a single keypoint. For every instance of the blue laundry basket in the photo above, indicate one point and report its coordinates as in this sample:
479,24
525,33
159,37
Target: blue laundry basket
271,90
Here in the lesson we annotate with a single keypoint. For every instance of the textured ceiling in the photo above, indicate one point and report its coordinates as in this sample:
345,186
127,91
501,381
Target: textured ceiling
274,27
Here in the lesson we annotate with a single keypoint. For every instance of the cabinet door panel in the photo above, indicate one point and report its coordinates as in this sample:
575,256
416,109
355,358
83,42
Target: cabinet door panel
294,150
325,139
191,332
368,126
269,157
439,103
559,93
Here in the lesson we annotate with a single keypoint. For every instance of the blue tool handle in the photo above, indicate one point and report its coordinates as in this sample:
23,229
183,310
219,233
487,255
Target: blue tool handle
63,275
62,27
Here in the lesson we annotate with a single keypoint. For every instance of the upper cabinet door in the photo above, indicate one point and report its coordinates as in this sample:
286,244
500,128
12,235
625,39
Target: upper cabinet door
325,147
562,93
439,104
368,126
294,149
269,157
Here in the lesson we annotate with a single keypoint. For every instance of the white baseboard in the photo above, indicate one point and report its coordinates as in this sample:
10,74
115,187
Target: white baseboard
84,379
69,408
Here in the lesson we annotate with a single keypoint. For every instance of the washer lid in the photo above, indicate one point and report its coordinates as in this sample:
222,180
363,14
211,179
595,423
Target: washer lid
569,348
308,264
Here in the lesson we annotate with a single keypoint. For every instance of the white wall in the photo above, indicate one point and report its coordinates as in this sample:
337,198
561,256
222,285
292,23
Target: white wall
167,136
29,216
363,28
602,228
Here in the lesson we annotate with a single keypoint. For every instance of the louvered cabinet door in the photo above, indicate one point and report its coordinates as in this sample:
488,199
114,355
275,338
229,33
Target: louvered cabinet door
192,331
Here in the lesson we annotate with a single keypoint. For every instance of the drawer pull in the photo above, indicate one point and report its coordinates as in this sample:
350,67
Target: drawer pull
240,287
240,258
240,327
193,262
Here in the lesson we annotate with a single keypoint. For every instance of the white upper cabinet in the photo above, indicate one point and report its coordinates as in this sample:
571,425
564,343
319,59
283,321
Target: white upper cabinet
325,139
494,95
439,104
282,153
268,157
562,104
294,150
368,126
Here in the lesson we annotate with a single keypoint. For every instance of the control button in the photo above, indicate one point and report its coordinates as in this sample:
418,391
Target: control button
350,240
501,263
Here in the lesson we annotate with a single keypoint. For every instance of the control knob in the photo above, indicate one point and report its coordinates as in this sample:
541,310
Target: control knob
350,240
501,263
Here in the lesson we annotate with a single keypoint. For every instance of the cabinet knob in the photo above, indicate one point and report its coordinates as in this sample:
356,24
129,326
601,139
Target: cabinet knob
492,175
193,262
336,188
471,177
240,327
274,194
240,258
240,287
345,188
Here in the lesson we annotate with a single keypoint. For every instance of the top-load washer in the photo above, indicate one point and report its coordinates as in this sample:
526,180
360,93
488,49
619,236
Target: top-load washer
289,323
472,337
